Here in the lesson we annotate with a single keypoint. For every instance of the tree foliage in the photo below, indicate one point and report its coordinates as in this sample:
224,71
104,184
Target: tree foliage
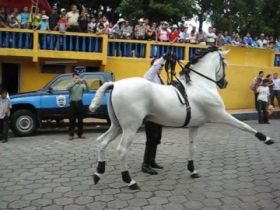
156,10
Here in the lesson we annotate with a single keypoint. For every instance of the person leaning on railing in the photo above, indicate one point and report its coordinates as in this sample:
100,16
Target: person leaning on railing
140,30
83,21
126,31
101,29
62,23
3,19
24,17
73,17
13,22
152,32
53,18
34,19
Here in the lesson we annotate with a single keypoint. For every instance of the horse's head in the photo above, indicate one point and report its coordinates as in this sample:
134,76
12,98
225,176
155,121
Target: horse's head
212,59
221,80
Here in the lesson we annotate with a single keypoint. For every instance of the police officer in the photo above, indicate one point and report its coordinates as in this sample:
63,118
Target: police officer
76,90
153,130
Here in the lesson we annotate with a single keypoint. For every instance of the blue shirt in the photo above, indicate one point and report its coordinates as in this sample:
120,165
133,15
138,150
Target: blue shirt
277,46
228,39
44,25
24,17
248,40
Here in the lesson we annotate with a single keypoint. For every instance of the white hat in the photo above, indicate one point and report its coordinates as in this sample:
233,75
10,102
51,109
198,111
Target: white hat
262,34
174,26
45,17
141,20
164,22
63,10
121,20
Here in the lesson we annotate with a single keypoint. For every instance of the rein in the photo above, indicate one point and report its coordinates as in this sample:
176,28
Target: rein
186,70
190,69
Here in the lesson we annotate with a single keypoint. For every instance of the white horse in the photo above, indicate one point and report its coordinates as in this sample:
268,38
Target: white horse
136,100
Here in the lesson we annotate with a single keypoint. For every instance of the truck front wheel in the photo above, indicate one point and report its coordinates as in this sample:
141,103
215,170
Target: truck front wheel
24,123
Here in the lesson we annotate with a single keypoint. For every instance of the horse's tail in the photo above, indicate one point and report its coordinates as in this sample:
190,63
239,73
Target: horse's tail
96,102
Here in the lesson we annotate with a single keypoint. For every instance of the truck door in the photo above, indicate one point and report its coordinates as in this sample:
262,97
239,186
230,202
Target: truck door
55,103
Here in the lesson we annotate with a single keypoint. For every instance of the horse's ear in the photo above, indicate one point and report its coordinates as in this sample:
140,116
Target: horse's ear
224,53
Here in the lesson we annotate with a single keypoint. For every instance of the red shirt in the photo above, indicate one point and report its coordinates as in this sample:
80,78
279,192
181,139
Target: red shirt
173,35
62,21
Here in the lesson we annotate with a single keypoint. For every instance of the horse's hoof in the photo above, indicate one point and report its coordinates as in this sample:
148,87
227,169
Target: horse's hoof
134,187
96,178
195,176
269,142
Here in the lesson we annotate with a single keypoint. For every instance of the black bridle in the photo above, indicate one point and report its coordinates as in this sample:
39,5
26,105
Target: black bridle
222,83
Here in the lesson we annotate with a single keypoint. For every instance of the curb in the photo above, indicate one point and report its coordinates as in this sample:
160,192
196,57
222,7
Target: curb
254,115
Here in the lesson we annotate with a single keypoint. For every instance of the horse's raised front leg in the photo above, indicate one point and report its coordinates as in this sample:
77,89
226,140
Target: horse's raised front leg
192,136
102,143
224,117
126,140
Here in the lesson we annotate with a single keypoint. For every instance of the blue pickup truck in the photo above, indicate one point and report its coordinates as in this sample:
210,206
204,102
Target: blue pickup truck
52,102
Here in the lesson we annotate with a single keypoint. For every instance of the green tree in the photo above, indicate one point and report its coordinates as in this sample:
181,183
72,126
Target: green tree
156,10
271,16
241,15
204,9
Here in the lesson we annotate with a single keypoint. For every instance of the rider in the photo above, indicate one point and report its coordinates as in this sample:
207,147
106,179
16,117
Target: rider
153,130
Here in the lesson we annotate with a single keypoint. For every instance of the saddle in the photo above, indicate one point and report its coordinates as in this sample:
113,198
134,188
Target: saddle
180,87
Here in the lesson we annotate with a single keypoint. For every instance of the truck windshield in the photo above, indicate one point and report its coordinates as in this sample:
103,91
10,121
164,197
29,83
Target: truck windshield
62,83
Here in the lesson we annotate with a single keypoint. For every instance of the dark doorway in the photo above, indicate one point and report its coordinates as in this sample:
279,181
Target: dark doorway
10,77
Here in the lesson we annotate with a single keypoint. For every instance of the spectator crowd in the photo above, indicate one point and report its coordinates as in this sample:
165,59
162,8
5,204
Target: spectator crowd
81,21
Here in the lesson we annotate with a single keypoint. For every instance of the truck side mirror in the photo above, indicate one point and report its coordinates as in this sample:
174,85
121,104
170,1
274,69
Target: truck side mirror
50,90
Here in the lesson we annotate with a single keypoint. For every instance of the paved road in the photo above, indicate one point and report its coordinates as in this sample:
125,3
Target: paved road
49,172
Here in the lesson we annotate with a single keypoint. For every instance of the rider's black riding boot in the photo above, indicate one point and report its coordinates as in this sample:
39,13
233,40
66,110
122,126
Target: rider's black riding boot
153,161
146,166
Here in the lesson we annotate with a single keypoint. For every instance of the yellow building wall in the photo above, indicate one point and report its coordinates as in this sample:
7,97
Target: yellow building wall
243,65
31,77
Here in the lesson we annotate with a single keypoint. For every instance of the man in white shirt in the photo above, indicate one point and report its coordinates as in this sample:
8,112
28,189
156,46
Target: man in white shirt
211,37
262,42
73,17
263,94
5,107
153,130
276,89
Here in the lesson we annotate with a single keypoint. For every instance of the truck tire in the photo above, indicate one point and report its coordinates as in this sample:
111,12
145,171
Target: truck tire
24,122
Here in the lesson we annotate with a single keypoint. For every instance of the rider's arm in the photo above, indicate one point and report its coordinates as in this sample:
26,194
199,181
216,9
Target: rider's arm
152,72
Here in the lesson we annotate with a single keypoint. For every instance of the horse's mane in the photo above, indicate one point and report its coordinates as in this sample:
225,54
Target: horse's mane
195,59
200,54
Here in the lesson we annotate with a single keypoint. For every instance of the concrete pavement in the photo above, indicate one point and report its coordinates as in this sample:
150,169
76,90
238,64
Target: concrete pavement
49,172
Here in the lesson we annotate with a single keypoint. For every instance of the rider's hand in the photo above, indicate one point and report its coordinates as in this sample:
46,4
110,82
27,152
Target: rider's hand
165,56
